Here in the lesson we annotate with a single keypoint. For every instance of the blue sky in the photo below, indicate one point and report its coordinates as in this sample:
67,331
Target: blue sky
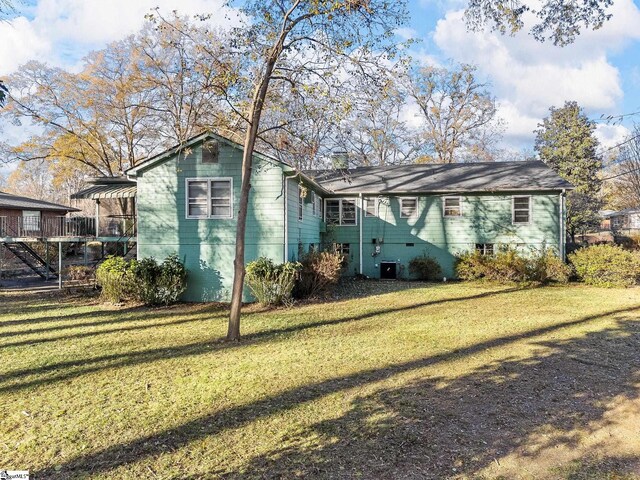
601,70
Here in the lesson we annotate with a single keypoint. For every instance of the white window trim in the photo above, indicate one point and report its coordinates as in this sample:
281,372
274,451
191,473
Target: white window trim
208,180
415,214
376,206
341,199
513,209
444,206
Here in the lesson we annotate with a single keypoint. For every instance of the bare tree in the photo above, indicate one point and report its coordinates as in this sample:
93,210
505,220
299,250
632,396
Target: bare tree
458,111
625,181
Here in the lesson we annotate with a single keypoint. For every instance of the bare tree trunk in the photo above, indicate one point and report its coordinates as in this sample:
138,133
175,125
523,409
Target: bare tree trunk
233,332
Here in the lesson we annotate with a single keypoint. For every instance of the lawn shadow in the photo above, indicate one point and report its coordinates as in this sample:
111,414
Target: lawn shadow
431,428
15,380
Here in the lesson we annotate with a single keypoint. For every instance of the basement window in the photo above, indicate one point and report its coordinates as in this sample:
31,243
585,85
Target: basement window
484,248
342,248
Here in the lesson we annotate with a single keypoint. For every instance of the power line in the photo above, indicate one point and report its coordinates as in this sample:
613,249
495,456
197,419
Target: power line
621,174
630,139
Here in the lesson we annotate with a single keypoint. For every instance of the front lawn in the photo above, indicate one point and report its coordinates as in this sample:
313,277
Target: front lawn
431,381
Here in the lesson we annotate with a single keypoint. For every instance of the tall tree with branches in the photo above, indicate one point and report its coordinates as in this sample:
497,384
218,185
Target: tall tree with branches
457,110
293,39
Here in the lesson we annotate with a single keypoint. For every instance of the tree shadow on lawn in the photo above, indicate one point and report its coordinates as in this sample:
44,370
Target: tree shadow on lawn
15,380
431,428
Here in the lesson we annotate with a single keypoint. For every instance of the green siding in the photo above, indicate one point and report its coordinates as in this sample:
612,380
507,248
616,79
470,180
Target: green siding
486,219
207,246
301,233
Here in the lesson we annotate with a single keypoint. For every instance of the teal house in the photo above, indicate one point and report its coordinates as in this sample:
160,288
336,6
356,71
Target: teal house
378,217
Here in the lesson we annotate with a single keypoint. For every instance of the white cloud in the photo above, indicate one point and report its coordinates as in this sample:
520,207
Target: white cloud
528,77
610,135
61,32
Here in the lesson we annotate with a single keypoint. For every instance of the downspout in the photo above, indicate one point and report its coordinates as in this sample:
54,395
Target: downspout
360,236
286,219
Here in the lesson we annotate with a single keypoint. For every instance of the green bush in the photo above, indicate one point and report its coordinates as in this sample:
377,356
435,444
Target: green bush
145,280
173,280
271,284
508,265
117,280
425,268
319,274
606,266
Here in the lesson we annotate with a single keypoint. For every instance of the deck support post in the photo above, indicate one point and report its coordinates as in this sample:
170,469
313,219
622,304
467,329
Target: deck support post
46,258
60,265
85,253
97,218
360,233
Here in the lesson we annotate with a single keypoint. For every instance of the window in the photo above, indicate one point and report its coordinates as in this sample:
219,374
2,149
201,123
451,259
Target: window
484,248
340,211
521,210
209,198
452,207
31,220
408,207
370,207
210,152
342,248
300,203
316,205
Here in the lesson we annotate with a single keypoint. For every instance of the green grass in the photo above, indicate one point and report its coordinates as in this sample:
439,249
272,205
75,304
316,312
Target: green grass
428,381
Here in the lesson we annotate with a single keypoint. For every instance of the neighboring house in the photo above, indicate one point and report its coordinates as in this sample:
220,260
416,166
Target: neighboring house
28,217
625,220
378,217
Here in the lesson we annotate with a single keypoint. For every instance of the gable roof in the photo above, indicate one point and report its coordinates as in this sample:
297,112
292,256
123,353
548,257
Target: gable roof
167,154
448,178
8,200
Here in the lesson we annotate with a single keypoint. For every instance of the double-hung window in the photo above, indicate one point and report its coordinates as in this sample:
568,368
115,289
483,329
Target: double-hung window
340,211
521,211
370,206
452,207
209,198
316,205
408,207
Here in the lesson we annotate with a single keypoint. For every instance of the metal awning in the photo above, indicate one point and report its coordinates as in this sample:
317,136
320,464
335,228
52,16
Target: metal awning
115,190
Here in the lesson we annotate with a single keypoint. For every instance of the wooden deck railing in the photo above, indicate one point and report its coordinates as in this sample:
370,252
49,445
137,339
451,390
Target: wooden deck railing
47,226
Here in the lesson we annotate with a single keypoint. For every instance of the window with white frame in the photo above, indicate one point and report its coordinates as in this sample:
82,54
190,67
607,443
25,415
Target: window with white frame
300,203
370,207
316,205
452,206
484,248
408,207
340,211
521,210
342,248
209,198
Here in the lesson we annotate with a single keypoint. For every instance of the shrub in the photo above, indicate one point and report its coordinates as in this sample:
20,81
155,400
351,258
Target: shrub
471,265
319,273
508,265
630,242
425,268
80,273
172,281
546,266
606,266
115,277
271,284
144,280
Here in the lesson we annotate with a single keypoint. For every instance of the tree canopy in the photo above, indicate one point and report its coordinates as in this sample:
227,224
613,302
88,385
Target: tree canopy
565,141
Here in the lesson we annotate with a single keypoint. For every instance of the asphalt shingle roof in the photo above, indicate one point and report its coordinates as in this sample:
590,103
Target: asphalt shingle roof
432,178
8,200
